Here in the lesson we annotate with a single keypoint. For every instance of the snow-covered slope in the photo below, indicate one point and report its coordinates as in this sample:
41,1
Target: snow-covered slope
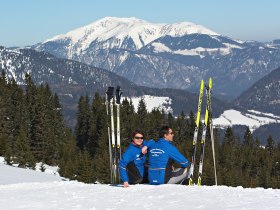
153,102
253,119
26,189
14,175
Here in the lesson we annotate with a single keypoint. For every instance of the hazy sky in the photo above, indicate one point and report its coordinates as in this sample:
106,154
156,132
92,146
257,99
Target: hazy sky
26,22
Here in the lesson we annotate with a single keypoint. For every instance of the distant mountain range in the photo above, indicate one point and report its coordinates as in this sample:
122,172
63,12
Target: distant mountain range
71,79
152,59
175,55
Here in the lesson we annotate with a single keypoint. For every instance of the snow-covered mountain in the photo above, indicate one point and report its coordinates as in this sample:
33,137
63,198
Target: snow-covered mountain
27,189
166,55
123,33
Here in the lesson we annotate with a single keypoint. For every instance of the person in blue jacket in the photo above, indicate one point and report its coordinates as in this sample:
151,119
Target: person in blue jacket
162,155
132,164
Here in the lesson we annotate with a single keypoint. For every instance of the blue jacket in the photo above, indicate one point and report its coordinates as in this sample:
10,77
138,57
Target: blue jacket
133,153
161,156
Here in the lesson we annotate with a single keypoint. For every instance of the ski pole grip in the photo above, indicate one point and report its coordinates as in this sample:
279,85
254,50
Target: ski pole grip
110,93
118,95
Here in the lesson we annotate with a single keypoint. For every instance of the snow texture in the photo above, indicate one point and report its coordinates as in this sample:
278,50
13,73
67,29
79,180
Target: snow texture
34,190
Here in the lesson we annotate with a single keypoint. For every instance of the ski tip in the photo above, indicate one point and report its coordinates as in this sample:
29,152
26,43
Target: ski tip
202,84
210,83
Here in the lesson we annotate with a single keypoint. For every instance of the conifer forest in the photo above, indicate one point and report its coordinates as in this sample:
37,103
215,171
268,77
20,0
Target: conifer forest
32,129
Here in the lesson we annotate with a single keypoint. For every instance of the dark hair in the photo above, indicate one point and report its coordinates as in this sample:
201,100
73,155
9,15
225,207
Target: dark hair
163,130
136,132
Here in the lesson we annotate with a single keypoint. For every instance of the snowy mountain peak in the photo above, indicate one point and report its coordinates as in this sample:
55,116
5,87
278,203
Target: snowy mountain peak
129,20
184,28
128,33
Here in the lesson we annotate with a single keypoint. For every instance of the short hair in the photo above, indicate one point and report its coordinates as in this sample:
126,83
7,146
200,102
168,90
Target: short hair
163,130
136,132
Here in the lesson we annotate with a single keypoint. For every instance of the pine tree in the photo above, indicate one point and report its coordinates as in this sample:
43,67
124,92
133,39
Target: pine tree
155,119
181,129
270,146
97,134
22,154
85,167
83,118
170,120
2,145
101,168
142,115
30,102
8,154
68,164
128,121
248,138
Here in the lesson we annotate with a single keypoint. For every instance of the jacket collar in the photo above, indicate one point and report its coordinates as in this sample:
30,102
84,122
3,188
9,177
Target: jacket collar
133,145
164,140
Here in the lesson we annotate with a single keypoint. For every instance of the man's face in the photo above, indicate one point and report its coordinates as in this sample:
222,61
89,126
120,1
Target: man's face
169,135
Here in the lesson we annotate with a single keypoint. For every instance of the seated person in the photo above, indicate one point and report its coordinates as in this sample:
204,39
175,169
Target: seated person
132,164
162,154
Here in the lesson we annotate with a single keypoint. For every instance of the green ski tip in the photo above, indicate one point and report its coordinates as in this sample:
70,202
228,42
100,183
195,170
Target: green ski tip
210,83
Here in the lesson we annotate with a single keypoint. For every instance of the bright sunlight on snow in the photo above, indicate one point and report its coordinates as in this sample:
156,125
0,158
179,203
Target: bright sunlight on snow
28,189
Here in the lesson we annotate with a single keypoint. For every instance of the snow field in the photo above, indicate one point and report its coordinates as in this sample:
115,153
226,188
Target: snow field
74,195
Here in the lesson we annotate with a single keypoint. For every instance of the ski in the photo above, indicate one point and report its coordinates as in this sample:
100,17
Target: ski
205,124
114,141
109,97
118,101
190,175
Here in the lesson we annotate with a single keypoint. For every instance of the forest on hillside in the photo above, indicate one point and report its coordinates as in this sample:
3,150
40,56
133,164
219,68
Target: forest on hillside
32,130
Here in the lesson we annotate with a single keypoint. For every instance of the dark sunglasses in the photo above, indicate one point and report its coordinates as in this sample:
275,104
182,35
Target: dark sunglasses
138,137
172,133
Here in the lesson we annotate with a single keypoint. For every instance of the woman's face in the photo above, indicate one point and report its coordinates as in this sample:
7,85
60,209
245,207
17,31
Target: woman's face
138,139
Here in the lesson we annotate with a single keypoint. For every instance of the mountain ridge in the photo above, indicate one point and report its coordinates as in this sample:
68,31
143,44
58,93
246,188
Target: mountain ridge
71,79
177,56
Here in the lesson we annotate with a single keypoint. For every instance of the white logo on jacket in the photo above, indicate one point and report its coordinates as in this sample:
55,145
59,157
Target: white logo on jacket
139,157
156,152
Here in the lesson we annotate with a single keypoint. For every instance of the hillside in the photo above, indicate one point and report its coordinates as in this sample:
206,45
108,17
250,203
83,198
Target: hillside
71,79
264,95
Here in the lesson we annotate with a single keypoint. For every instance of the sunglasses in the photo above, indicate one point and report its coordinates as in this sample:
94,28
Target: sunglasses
172,133
138,137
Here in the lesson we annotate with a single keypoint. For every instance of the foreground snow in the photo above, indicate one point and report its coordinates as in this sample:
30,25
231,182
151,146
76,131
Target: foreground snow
74,195
27,189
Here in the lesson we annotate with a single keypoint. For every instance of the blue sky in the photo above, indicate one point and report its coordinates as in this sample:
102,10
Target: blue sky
26,22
